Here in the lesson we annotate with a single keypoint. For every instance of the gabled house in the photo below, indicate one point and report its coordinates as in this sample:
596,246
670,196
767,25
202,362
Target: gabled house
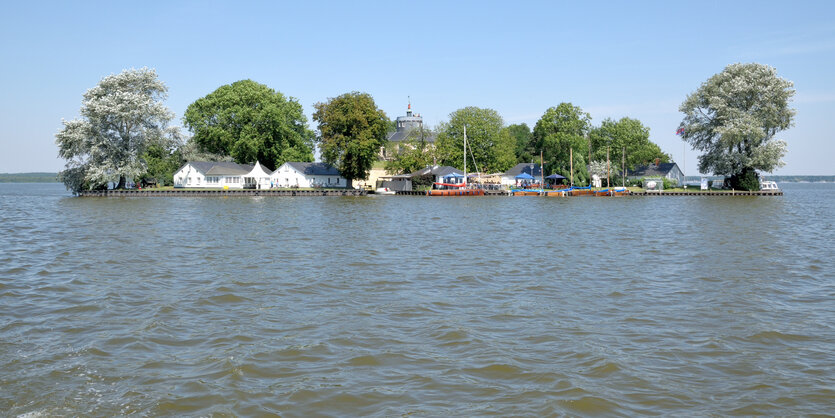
509,176
665,170
212,174
298,174
437,173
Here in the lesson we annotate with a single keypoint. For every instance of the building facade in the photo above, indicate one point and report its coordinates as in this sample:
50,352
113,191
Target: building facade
296,174
407,128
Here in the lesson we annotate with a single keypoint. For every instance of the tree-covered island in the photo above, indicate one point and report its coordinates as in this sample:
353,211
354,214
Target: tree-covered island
125,133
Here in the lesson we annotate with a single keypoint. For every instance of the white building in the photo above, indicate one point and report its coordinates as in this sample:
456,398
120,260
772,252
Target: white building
292,174
212,174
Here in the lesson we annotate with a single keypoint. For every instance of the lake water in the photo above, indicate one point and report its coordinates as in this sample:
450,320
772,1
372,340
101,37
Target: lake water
395,306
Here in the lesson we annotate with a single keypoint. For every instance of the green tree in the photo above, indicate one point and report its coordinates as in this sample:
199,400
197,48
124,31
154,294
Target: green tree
120,118
351,132
734,117
523,136
250,122
161,164
561,129
490,148
625,133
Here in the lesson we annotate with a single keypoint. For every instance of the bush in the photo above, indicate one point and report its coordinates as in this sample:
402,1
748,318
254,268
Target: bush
748,179
669,184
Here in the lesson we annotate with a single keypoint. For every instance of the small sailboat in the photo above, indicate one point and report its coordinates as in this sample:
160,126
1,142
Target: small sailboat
451,186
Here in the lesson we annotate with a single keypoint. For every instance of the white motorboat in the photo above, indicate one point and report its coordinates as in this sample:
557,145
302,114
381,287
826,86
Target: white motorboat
384,191
768,186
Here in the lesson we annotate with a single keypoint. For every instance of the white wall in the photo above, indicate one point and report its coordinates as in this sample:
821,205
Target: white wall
191,178
287,176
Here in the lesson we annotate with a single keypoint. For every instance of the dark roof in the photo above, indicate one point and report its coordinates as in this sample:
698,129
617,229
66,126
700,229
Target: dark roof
652,170
315,169
266,170
524,168
441,171
403,135
212,168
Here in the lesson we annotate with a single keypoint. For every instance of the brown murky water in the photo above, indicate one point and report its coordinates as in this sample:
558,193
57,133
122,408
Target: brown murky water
419,306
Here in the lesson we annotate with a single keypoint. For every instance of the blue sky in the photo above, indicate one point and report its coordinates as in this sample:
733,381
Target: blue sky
613,59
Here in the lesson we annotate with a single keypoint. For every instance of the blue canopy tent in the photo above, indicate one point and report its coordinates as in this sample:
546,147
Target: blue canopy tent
555,178
525,178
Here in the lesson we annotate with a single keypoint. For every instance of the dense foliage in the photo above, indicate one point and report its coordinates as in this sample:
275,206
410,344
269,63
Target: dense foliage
351,132
523,137
625,134
561,129
120,118
161,164
490,148
734,117
250,122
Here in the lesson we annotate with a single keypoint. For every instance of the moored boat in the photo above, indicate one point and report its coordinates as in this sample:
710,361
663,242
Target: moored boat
525,192
455,192
384,191
455,184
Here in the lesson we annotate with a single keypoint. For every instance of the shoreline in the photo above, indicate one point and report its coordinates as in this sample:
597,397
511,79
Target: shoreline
359,192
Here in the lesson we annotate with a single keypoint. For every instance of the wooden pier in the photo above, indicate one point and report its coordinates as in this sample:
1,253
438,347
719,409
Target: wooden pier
423,193
711,193
355,192
231,193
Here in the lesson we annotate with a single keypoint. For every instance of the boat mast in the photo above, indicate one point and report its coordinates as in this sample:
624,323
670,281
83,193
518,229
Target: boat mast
465,155
541,174
571,164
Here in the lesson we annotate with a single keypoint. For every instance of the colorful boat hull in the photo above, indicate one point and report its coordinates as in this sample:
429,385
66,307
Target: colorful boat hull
459,192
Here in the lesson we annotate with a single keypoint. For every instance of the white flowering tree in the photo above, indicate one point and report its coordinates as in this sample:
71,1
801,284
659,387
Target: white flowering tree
734,117
120,118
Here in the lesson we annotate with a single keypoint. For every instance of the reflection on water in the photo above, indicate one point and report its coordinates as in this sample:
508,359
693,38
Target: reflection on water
415,305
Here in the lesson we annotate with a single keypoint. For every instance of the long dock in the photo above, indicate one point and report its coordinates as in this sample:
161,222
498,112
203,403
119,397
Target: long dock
723,193
207,193
712,193
355,192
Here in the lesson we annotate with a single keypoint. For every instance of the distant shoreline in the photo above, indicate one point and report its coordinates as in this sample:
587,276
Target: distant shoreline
35,177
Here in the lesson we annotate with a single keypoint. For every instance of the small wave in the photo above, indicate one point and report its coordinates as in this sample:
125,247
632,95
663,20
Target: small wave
603,370
774,336
367,360
227,298
497,371
590,405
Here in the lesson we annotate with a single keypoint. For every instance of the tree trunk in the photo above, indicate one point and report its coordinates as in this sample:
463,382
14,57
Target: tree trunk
122,182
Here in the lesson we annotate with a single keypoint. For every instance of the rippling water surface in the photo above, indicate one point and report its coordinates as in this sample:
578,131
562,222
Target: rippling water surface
416,306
